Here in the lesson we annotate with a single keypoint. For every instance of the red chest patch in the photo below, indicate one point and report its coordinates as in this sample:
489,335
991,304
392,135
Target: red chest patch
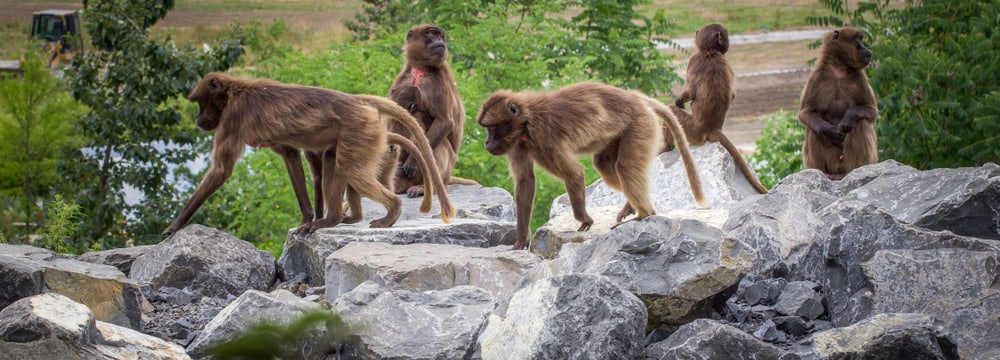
417,74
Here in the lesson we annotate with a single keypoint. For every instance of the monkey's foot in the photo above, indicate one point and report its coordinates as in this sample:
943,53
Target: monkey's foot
624,213
585,225
520,245
353,219
415,191
312,226
383,222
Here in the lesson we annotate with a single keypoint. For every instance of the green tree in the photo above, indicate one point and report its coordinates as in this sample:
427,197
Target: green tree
134,132
935,76
37,116
779,148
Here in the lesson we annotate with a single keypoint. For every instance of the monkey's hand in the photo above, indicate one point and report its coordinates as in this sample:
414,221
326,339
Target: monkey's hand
832,133
850,120
409,167
679,103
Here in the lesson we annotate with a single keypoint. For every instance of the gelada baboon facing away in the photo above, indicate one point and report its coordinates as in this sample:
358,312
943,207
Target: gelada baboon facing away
709,88
343,132
838,107
620,128
426,87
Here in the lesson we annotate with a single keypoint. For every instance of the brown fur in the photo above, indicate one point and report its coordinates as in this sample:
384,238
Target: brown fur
310,119
839,107
709,88
434,101
619,127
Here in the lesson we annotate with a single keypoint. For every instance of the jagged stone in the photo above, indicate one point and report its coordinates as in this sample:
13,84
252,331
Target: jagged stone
679,268
566,317
304,256
121,258
800,298
423,267
27,271
52,326
206,261
432,324
763,292
721,180
252,307
709,339
884,336
562,229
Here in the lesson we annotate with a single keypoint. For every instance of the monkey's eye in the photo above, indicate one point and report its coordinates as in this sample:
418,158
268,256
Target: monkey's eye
513,108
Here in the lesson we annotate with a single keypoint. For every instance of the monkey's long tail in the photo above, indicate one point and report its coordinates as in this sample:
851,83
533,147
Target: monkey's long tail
400,115
717,135
670,119
455,180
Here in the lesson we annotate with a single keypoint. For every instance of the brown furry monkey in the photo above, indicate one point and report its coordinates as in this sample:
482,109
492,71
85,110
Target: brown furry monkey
619,127
838,107
709,88
270,113
428,85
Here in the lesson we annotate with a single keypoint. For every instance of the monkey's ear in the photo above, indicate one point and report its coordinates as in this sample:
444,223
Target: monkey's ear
214,84
836,35
719,39
513,108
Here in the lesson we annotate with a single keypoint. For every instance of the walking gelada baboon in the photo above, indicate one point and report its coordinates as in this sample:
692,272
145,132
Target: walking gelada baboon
428,90
345,131
709,88
838,107
619,127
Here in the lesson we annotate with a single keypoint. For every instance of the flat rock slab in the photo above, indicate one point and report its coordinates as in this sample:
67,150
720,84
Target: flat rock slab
471,201
423,267
304,256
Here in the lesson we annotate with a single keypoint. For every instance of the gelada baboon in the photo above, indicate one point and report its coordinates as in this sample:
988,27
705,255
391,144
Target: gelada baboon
838,107
620,128
289,117
426,87
709,88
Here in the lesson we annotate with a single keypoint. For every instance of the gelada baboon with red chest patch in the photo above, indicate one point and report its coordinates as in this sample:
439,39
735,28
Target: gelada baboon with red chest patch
426,87
709,88
620,128
345,133
838,107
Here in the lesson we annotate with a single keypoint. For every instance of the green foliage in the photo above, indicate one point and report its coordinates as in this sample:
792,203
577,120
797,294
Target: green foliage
37,117
257,204
270,340
134,132
60,226
936,79
779,148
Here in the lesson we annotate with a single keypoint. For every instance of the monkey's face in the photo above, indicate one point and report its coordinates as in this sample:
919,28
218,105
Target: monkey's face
504,123
211,96
426,44
849,44
712,37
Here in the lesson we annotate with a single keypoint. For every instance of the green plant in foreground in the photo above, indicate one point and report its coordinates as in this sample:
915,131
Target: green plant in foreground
270,340
60,225
779,148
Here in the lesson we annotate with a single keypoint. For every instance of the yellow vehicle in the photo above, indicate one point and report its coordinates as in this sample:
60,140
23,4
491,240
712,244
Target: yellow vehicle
59,32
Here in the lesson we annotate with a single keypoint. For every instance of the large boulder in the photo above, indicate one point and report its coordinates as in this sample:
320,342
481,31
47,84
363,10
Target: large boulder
27,271
304,256
679,268
577,316
121,258
400,324
709,339
206,261
423,267
253,307
52,326
885,336
721,180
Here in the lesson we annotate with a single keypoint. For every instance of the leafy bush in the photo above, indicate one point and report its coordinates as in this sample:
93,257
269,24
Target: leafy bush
60,226
779,148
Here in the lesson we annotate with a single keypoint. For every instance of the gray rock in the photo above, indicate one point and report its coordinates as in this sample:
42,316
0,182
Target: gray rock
763,292
711,340
800,298
567,317
678,267
423,267
400,324
207,261
304,256
253,307
121,258
52,326
721,180
471,201
884,336
27,271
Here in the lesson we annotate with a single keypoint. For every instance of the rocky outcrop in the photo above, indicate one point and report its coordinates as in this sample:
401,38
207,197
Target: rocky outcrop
121,258
52,326
709,339
577,316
